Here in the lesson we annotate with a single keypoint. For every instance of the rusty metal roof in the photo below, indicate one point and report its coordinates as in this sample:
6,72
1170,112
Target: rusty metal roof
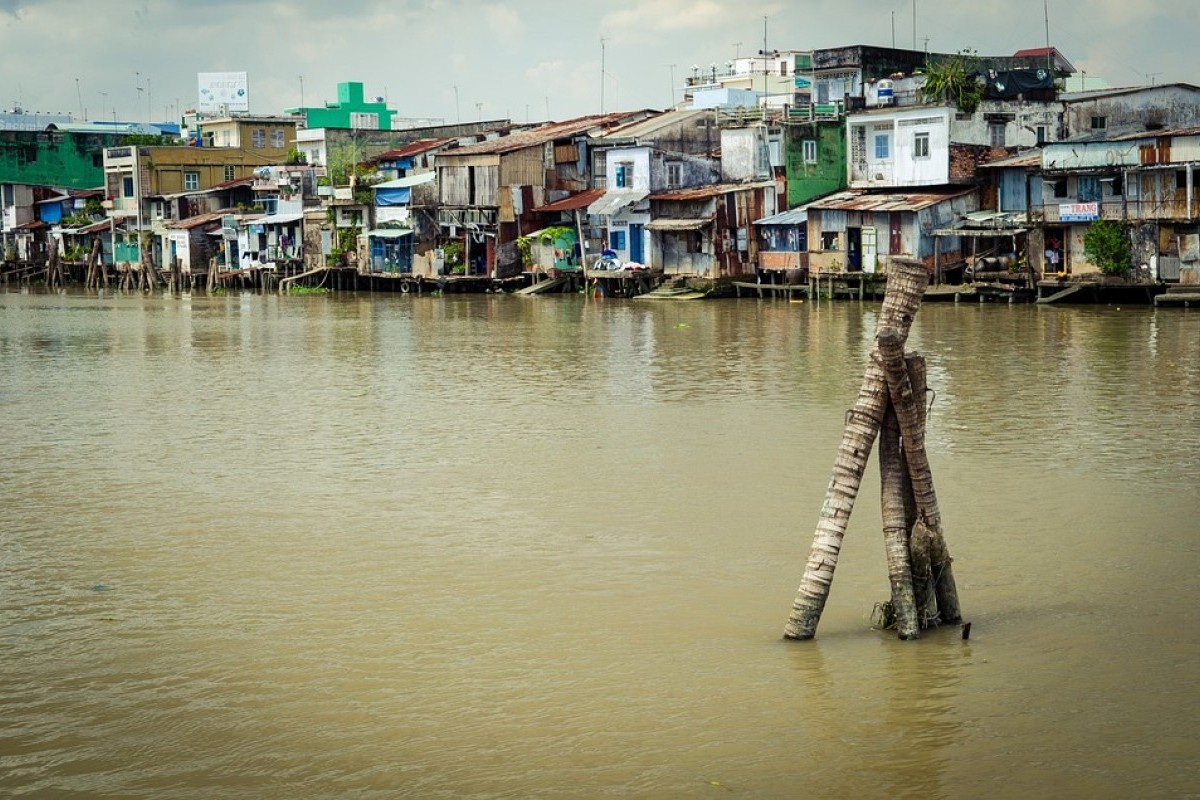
412,149
653,124
539,136
860,201
572,202
705,192
1030,158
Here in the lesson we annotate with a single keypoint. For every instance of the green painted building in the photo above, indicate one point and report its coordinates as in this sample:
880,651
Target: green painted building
350,111
54,158
816,160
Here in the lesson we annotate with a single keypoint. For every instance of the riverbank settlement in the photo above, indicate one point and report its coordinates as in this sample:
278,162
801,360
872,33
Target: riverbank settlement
796,172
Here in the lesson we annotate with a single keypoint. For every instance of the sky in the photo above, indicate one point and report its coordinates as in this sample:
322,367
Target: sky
524,60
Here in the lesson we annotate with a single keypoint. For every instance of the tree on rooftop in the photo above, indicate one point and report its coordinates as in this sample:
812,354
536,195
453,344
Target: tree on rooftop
954,80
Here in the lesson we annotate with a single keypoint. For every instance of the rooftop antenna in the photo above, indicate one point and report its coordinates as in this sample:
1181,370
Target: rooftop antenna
602,42
457,114
1049,52
301,77
78,94
737,49
914,24
1152,75
672,68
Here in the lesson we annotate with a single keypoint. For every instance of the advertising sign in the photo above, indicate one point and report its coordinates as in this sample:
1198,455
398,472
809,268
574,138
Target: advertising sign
223,91
1078,212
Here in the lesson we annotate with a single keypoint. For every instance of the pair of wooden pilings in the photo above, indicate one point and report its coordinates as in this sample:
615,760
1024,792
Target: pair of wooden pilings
890,407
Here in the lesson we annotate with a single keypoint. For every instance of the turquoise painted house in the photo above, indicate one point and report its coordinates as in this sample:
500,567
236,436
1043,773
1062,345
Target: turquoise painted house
350,112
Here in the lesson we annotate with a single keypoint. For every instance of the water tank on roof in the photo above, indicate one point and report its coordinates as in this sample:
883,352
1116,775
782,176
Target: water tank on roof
884,92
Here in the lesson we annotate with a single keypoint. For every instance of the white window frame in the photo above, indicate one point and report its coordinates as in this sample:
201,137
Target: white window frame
258,137
921,144
808,151
191,180
277,138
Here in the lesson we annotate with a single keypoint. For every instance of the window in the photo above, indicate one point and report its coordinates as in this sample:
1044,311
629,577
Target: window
625,175
1041,134
1099,123
191,181
1115,185
808,151
258,137
277,138
127,187
616,240
1180,179
674,174
921,144
229,171
829,240
882,146
1060,187
1087,188
996,134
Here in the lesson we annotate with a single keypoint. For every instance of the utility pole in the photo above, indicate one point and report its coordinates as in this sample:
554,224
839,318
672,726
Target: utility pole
914,24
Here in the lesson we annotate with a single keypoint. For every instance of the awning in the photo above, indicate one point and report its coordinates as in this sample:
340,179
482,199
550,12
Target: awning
613,201
407,181
278,219
389,233
677,224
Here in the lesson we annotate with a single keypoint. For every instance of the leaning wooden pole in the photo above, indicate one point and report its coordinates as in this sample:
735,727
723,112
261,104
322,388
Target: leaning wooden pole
927,533
905,288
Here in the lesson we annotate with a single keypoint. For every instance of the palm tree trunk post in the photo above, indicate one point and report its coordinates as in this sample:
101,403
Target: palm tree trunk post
894,486
890,343
906,285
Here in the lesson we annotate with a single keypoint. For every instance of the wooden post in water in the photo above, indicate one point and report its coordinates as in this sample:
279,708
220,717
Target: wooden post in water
895,489
927,533
906,284
54,275
923,589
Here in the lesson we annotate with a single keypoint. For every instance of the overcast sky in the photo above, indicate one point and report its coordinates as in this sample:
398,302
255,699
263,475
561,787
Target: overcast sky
521,59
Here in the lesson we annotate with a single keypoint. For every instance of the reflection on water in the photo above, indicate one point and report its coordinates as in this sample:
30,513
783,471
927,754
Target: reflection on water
496,546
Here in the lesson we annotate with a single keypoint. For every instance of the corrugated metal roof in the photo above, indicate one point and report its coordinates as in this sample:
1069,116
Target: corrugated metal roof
793,216
413,149
1032,158
572,202
652,125
858,201
667,224
199,219
1092,94
614,200
705,192
537,136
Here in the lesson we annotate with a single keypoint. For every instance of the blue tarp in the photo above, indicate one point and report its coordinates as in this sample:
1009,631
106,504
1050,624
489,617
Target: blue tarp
392,197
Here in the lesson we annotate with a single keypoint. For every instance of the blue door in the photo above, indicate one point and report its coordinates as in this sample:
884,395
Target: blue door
636,242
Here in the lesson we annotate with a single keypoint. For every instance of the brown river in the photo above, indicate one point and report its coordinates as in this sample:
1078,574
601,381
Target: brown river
500,547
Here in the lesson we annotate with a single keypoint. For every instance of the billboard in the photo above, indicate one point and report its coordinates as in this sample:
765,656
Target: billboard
223,91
